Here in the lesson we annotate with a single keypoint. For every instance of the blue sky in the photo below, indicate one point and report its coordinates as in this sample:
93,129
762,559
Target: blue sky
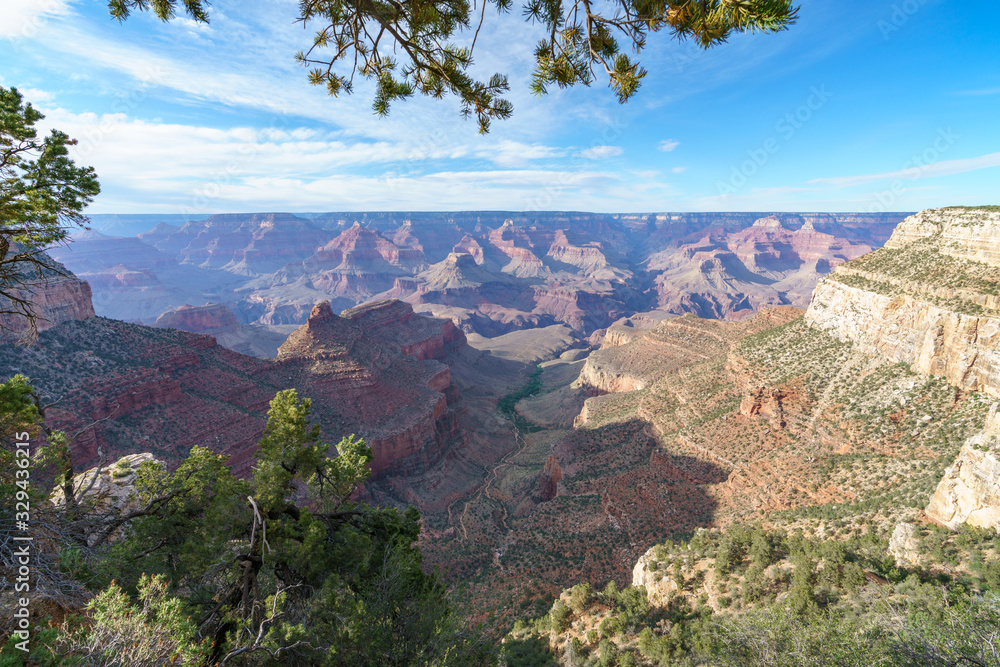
861,106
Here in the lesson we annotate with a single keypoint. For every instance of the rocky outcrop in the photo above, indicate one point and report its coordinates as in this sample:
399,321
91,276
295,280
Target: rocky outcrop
599,378
374,371
924,299
110,487
512,241
962,348
972,234
764,402
470,246
548,480
589,258
655,577
969,492
904,545
56,296
212,318
107,489
417,336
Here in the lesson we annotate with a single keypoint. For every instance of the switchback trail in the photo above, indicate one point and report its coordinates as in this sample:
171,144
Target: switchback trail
491,475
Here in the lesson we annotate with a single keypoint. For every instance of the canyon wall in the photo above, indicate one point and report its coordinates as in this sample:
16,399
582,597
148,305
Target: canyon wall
969,492
928,298
523,270
56,296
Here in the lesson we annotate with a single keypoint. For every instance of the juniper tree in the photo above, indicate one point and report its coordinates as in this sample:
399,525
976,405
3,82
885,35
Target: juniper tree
414,46
285,568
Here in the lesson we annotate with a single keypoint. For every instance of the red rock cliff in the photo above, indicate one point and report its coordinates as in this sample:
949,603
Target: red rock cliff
55,299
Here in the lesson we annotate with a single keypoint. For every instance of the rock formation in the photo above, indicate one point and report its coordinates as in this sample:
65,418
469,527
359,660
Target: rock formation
927,299
56,295
730,275
969,492
245,244
539,269
217,320
212,318
655,578
904,545
378,372
548,480
107,489
765,402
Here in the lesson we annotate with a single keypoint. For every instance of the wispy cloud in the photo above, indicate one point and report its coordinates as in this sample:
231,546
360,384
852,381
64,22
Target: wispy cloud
980,92
932,170
600,152
679,170
667,145
24,18
204,169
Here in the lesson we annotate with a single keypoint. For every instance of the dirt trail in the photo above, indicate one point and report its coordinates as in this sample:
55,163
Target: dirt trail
850,367
491,476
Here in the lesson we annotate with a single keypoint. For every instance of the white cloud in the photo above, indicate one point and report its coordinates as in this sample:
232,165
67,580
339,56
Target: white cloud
668,145
191,25
509,153
36,96
600,152
932,170
249,66
24,18
679,170
166,167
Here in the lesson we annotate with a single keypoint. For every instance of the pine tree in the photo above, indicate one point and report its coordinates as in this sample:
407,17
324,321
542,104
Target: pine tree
409,48
42,197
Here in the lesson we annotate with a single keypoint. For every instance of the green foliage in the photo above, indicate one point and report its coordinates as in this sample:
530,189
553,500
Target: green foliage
580,597
527,652
507,405
632,605
43,191
286,564
560,617
778,636
19,419
42,196
156,631
366,38
608,652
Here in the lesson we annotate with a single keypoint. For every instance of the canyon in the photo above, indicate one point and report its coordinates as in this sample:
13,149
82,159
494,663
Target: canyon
679,382
491,273
380,371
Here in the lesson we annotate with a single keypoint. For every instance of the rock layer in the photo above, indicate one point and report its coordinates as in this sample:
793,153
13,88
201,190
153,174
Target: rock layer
537,269
55,297
969,492
912,302
212,318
